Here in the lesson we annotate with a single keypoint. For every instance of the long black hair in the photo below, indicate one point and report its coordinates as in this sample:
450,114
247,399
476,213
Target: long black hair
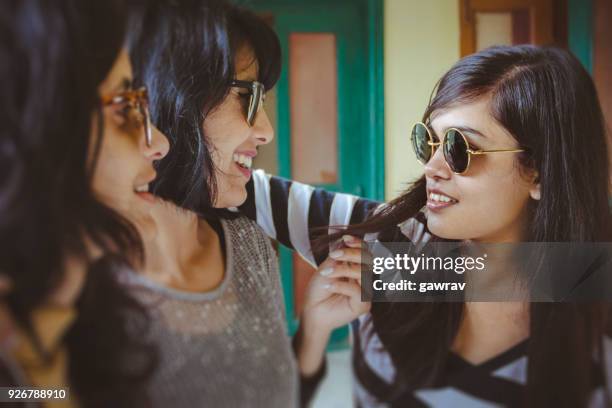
55,54
184,53
547,101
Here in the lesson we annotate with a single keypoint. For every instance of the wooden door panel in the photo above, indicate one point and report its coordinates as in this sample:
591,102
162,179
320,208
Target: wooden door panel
539,15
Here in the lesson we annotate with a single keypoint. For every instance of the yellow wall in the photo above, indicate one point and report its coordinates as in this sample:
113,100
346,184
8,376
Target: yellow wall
421,43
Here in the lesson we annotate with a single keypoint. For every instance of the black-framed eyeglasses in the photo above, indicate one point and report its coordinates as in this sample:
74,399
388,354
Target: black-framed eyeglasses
257,95
138,101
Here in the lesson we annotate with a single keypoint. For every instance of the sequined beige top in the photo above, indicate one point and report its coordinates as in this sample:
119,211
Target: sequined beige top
228,347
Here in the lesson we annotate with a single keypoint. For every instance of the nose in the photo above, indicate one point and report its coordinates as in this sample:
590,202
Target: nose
436,167
262,129
159,145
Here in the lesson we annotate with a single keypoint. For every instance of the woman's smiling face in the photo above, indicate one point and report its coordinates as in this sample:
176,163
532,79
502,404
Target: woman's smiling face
234,142
124,166
489,201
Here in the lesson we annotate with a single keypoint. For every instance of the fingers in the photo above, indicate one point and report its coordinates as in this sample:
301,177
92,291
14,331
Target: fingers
342,270
328,263
346,255
346,288
353,255
345,262
351,241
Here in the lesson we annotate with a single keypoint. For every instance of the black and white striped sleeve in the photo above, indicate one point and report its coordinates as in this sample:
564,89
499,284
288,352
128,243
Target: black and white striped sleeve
288,211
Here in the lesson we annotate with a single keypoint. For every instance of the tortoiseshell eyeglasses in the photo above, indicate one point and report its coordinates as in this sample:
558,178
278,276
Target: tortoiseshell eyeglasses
137,112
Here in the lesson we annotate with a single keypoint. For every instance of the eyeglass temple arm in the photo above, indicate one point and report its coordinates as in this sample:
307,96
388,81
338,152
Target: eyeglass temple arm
495,151
436,144
128,96
111,99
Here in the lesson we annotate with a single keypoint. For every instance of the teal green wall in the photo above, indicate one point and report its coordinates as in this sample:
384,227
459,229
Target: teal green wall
580,30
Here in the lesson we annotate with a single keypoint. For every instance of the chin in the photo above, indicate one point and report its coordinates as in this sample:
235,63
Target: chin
441,229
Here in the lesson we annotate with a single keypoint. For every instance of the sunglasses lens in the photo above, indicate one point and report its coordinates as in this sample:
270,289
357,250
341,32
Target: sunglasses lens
255,102
420,143
455,150
147,125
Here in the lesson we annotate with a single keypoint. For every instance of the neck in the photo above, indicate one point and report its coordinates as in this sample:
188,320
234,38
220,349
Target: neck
186,253
500,279
489,329
179,238
515,231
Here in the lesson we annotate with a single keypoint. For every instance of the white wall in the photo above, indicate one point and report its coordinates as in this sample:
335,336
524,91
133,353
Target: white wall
421,43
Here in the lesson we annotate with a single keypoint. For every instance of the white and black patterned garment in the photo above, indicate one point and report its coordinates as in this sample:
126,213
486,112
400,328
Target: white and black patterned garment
227,347
288,210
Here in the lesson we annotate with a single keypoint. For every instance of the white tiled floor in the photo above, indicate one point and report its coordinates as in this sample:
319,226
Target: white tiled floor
336,389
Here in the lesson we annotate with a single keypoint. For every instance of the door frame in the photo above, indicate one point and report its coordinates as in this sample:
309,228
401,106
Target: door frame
374,183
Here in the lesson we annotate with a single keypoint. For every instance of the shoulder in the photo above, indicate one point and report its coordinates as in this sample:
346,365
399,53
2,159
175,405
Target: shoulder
241,227
249,243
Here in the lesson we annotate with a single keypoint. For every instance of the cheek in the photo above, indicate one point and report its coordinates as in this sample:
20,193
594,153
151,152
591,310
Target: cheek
491,200
500,201
225,136
107,183
115,170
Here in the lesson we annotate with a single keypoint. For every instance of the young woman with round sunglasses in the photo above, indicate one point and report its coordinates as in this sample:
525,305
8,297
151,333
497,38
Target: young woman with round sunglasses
513,144
76,149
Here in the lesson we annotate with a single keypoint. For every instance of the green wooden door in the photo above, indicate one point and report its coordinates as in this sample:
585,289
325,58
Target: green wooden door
354,30
580,31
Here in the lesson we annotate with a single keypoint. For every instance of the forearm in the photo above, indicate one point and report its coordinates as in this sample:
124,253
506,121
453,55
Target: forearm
310,345
288,211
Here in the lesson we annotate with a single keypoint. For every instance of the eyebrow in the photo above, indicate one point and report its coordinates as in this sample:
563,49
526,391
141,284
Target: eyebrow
467,129
249,78
124,85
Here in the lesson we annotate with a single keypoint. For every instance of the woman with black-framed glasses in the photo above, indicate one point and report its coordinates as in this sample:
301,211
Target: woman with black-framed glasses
212,277
256,93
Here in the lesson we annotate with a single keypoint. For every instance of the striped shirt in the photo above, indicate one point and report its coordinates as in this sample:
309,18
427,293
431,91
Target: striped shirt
288,211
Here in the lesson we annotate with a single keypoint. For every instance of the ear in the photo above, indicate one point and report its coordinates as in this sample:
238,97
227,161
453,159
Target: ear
534,190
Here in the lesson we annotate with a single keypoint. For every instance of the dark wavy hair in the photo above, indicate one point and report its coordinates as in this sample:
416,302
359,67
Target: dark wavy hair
184,53
548,102
55,55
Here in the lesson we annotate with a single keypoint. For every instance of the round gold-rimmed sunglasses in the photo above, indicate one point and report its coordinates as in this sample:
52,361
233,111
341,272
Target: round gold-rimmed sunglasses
138,114
455,146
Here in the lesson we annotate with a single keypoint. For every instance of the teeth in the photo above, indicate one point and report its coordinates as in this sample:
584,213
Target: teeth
244,161
142,189
440,198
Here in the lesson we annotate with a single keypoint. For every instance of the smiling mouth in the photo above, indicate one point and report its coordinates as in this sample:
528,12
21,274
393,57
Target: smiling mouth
142,191
243,161
439,201
142,188
441,198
